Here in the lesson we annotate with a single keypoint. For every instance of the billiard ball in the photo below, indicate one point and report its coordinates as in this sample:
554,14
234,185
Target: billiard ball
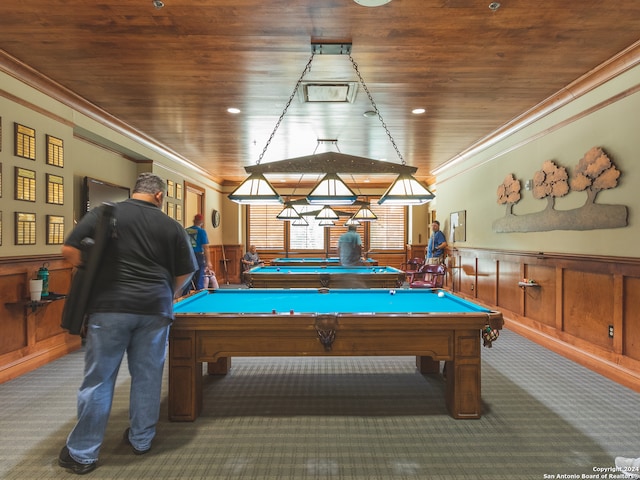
392,292
441,294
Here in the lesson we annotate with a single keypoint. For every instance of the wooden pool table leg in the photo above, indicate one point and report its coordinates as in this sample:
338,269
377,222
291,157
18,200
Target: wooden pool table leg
463,376
185,377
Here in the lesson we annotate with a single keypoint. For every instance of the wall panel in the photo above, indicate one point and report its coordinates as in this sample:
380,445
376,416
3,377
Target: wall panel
575,300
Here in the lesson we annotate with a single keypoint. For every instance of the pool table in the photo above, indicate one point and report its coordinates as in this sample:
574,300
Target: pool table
315,261
213,326
323,276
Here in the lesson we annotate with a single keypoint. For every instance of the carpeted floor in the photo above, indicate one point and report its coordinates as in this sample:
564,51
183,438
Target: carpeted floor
360,418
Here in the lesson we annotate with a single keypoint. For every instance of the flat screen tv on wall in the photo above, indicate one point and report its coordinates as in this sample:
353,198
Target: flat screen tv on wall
96,192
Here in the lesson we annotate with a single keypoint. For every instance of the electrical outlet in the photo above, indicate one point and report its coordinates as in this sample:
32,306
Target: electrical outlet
610,331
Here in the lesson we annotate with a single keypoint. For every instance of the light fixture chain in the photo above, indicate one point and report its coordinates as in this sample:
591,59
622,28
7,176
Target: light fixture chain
306,70
375,108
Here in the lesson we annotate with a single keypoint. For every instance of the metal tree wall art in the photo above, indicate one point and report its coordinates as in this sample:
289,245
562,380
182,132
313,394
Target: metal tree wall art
595,172
509,193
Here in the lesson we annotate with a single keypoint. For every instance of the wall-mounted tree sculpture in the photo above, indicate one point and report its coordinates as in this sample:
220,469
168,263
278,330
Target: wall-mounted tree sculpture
551,182
595,172
509,192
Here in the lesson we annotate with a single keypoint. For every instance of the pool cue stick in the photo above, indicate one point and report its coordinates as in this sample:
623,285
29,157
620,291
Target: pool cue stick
224,264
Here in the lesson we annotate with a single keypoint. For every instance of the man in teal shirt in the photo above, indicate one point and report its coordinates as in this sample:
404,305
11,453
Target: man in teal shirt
350,247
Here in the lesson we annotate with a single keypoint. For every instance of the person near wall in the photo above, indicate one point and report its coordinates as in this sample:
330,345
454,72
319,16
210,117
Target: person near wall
437,245
210,280
251,259
200,244
350,247
149,260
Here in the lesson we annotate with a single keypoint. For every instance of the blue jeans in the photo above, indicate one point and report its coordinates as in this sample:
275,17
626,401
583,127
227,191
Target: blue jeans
198,277
144,338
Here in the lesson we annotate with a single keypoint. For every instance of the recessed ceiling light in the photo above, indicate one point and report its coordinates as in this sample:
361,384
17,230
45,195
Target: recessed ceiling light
233,110
369,113
494,6
418,111
371,3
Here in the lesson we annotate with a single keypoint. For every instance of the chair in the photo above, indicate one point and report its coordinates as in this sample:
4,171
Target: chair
411,267
429,276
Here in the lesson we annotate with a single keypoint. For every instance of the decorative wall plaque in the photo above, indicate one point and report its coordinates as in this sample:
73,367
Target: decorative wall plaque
171,210
179,212
25,142
0,228
178,191
25,228
170,188
25,184
55,189
594,172
0,180
55,230
55,151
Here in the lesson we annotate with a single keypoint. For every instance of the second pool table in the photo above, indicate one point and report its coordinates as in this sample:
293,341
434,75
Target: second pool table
323,276
315,261
213,326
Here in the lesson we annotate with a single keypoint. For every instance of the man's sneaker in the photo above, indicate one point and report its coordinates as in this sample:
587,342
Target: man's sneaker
66,461
125,436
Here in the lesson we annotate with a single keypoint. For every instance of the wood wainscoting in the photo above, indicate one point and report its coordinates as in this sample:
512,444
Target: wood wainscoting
31,337
585,308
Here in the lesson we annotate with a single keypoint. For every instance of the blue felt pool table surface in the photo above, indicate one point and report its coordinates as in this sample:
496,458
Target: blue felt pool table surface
324,269
365,301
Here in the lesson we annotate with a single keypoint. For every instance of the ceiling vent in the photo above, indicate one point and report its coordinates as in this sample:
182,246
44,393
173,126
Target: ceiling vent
328,92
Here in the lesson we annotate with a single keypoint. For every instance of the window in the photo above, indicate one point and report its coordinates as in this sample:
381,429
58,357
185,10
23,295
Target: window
389,232
266,232
310,237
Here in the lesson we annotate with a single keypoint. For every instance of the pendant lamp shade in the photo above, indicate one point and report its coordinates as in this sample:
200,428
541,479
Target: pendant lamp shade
365,215
326,223
300,222
288,213
351,221
331,191
406,190
255,190
327,213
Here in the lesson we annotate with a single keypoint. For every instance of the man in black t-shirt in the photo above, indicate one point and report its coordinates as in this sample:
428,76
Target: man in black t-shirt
147,260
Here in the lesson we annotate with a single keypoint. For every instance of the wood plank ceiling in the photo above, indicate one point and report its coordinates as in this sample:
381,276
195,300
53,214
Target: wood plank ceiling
172,72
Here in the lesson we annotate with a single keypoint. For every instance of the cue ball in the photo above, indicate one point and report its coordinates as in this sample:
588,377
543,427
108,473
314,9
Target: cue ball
392,292
441,294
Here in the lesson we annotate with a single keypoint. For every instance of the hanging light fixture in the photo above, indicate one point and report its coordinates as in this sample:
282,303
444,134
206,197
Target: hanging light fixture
331,190
327,213
406,190
288,213
351,221
365,215
300,222
327,223
255,190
